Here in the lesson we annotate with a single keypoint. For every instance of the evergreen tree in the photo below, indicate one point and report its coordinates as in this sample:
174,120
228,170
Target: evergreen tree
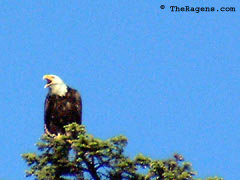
78,155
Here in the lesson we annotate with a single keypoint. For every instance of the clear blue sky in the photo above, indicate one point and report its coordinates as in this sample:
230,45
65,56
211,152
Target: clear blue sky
168,81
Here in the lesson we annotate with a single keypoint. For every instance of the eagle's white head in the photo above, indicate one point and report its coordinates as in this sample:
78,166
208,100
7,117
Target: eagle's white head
55,84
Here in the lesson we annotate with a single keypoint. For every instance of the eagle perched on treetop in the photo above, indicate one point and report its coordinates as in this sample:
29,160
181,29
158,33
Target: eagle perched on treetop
63,106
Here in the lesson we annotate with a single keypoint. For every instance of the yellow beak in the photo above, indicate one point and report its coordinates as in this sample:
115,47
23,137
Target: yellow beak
49,80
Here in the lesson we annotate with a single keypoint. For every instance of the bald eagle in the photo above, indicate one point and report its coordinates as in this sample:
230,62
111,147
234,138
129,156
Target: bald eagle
63,106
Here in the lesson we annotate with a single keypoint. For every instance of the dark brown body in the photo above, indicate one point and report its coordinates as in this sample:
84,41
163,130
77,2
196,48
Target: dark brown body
61,111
